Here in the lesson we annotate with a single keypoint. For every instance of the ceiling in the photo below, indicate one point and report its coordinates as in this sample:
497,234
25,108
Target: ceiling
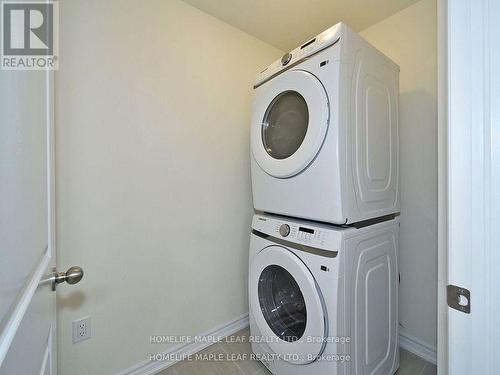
288,23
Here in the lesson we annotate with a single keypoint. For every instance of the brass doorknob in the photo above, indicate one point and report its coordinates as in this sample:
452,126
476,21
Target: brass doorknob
72,276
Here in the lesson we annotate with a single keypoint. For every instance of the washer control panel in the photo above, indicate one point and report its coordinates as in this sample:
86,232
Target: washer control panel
303,234
321,236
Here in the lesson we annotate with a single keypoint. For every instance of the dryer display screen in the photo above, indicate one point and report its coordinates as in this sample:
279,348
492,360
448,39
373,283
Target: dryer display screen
307,230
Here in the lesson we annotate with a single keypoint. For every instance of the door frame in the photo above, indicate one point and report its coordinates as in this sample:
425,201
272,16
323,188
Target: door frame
442,82
468,86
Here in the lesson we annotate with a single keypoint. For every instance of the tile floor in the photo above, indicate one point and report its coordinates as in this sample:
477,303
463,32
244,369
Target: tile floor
410,364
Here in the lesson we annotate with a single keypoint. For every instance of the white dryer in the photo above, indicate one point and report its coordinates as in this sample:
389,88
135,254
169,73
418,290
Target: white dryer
324,131
323,299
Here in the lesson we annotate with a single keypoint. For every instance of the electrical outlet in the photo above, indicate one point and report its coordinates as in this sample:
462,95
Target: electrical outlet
81,329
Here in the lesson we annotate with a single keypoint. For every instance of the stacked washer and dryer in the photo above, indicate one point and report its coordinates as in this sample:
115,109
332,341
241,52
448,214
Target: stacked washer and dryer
323,276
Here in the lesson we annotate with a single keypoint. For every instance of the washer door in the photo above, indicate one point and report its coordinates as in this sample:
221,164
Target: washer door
289,123
287,305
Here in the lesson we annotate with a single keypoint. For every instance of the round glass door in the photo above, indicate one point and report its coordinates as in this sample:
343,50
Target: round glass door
286,305
285,124
289,121
282,303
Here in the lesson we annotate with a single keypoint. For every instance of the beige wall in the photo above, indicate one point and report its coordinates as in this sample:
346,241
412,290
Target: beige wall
153,177
409,38
153,102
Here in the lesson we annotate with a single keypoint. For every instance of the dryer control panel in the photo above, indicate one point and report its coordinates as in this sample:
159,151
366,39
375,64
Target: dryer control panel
321,236
314,45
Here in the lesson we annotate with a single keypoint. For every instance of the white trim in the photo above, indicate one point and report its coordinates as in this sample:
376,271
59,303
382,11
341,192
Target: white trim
51,205
148,367
442,310
418,347
473,146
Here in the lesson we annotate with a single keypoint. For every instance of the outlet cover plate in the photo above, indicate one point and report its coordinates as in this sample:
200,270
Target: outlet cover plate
82,329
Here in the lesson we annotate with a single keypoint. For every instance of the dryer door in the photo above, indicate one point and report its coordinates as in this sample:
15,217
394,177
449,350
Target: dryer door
287,305
289,123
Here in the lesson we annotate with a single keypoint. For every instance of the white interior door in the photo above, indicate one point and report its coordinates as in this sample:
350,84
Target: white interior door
27,252
473,188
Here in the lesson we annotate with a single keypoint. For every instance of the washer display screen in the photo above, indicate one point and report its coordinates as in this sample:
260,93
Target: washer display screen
307,230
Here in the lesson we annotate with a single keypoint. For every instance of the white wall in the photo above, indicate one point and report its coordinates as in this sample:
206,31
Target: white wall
409,38
153,184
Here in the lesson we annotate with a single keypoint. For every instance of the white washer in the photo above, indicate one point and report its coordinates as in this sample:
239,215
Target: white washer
320,293
324,131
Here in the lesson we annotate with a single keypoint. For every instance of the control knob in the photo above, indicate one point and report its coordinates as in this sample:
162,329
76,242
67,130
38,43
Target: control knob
284,230
286,58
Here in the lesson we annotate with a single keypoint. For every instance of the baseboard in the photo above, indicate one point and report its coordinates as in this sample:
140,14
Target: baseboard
418,347
148,367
